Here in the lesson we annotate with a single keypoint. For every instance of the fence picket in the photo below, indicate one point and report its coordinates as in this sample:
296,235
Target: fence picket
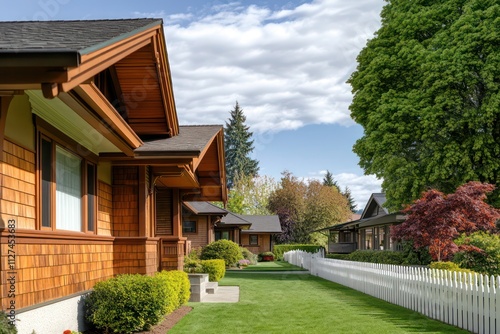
471,302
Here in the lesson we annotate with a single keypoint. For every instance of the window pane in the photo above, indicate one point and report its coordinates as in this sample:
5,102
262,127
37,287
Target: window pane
254,239
91,194
46,182
189,226
68,191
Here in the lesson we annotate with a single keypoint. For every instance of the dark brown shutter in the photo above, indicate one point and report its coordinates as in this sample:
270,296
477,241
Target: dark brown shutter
164,224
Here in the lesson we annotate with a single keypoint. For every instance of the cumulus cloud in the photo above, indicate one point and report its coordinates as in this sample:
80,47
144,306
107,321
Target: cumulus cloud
286,67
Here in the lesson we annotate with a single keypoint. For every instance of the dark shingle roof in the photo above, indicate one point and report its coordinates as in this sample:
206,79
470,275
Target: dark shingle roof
192,139
82,36
206,208
234,219
263,224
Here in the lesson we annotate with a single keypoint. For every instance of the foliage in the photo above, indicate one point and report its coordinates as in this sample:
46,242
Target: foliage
247,255
226,250
127,303
449,266
415,256
329,181
376,256
479,252
279,250
216,269
176,287
350,201
436,219
305,207
267,255
238,146
338,256
6,325
192,266
250,195
426,93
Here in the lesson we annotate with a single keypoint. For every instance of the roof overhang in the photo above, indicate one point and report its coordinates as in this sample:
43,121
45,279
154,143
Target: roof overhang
200,173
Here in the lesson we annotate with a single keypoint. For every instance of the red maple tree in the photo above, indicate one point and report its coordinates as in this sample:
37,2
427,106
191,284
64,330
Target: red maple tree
436,219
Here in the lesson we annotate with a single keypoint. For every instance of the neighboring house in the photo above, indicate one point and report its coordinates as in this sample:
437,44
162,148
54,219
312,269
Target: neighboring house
259,237
94,166
370,231
204,223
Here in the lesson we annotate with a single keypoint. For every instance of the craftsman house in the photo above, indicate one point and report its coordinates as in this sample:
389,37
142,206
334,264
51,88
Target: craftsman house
203,223
94,165
370,231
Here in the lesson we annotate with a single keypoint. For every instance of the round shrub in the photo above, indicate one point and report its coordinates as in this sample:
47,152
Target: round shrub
226,250
479,252
216,269
126,303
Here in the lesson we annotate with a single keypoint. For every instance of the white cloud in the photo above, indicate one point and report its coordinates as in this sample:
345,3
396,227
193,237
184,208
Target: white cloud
287,68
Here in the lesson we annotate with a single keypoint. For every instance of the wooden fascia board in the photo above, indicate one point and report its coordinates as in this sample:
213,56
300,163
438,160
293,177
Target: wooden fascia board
199,158
222,165
98,102
165,78
96,123
96,62
133,161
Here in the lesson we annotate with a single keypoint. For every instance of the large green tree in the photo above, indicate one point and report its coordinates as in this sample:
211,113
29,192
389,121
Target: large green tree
305,207
238,146
427,93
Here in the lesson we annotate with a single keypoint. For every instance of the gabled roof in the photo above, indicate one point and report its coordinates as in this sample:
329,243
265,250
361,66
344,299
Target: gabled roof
263,223
78,37
191,140
127,57
204,208
375,206
235,220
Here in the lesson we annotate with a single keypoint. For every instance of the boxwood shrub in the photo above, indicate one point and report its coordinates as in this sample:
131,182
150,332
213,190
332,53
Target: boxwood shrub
226,250
129,303
279,250
216,269
338,256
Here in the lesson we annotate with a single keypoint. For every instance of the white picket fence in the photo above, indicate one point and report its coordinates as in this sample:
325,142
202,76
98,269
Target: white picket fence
471,302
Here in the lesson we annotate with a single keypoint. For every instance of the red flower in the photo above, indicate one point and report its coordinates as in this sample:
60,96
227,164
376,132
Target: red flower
68,331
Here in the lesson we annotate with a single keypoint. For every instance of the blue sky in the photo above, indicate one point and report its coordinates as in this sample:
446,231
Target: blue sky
285,62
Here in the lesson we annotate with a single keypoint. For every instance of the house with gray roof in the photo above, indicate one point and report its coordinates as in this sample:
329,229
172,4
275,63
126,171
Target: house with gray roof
204,222
94,167
370,232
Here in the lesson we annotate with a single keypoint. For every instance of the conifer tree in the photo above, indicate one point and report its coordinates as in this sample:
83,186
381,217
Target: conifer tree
238,146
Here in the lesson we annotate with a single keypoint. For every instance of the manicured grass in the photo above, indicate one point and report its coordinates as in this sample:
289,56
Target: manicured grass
291,303
273,266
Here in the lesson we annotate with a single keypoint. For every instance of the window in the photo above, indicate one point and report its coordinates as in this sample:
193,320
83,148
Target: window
254,239
67,188
222,235
188,226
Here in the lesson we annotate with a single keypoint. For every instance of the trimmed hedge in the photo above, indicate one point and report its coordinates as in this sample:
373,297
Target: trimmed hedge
129,303
374,256
216,269
226,250
279,250
338,256
177,289
450,266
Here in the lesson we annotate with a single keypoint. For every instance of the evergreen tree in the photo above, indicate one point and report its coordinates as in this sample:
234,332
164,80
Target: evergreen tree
350,200
329,181
238,146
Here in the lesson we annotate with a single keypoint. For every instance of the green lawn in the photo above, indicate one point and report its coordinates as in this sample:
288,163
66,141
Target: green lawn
273,266
291,303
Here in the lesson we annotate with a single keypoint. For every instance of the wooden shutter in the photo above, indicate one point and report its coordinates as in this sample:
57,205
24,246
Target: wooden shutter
164,224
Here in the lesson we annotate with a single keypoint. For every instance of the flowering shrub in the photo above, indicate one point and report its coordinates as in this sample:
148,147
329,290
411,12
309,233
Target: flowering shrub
243,263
